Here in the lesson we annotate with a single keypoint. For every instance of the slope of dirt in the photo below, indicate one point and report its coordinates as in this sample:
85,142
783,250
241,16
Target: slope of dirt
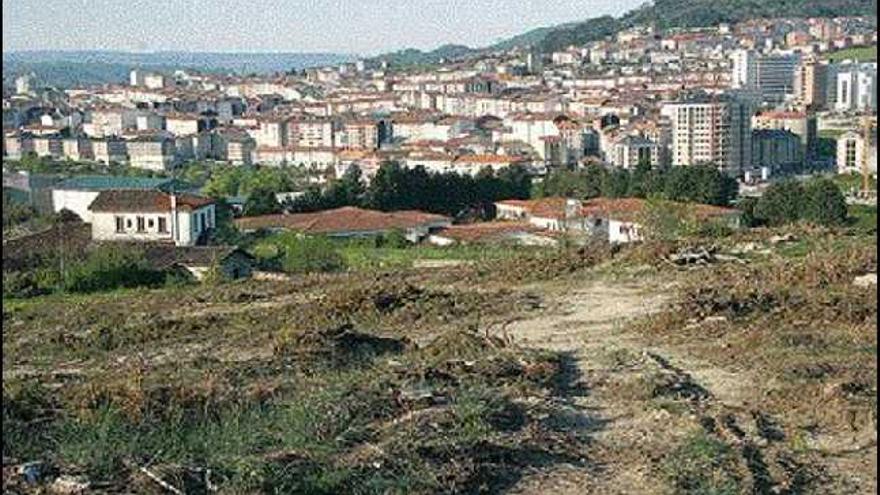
631,401
584,322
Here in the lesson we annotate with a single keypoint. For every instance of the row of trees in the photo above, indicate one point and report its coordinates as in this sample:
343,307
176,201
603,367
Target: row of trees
399,188
697,184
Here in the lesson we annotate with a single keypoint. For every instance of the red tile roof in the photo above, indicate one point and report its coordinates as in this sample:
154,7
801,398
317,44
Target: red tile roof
487,231
341,220
627,209
129,200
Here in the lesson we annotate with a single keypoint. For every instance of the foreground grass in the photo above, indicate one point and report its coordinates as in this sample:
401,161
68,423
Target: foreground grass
314,385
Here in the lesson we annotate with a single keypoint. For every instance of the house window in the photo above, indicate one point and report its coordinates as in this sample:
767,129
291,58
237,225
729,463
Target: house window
163,228
150,223
204,221
120,225
140,224
128,223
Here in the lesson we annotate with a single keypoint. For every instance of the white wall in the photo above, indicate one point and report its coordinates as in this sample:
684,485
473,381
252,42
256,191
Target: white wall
104,227
75,201
621,232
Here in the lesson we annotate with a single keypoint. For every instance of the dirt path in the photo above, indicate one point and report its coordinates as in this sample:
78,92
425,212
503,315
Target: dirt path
584,322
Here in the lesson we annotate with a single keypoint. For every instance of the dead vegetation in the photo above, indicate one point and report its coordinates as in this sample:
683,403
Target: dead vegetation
382,382
804,336
760,378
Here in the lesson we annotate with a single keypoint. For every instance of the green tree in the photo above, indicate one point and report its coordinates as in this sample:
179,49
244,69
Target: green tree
305,254
594,178
616,184
748,207
643,180
349,190
782,203
516,183
261,202
824,203
225,181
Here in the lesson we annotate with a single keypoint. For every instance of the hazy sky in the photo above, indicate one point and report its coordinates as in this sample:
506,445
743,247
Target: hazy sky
342,26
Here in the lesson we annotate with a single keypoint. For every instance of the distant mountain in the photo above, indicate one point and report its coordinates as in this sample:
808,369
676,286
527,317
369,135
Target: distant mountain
71,68
663,14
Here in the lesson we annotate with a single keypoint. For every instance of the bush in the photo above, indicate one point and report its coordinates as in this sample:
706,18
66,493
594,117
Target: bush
303,254
781,204
749,216
824,203
820,201
393,239
261,202
110,268
666,220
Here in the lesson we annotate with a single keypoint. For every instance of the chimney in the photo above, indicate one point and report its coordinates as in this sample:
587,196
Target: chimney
572,208
175,227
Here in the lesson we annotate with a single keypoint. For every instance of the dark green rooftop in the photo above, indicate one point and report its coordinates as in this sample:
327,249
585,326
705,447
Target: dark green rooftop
109,182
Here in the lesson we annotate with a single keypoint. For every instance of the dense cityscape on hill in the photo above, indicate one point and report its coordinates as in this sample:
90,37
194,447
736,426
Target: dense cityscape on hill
631,254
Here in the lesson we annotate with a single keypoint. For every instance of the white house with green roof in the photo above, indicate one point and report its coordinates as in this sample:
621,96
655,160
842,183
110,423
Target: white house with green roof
77,193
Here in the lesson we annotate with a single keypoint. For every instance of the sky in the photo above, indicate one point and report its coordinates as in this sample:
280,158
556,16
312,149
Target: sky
362,27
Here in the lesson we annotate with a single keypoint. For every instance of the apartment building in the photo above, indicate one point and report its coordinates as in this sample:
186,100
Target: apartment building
110,150
629,151
811,84
711,130
152,152
856,87
776,148
802,124
770,75
109,121
310,132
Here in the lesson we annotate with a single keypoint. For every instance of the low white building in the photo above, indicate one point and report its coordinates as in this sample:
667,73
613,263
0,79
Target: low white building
77,193
851,151
131,215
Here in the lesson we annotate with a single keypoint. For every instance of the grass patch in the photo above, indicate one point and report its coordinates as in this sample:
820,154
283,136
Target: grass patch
320,392
857,53
703,465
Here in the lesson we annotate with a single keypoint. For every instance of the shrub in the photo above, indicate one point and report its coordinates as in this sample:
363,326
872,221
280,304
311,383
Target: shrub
666,220
109,268
824,203
303,254
782,203
393,239
749,216
261,202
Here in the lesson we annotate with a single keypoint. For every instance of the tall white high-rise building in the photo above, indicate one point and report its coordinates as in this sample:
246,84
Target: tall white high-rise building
770,75
712,130
856,87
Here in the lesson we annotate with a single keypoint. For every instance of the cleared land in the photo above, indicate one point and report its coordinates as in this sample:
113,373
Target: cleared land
571,371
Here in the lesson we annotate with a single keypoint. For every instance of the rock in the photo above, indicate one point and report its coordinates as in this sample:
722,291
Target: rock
32,472
746,247
866,280
69,485
779,239
715,319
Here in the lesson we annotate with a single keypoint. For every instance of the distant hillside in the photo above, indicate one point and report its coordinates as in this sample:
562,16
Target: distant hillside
71,68
411,56
663,14
666,14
